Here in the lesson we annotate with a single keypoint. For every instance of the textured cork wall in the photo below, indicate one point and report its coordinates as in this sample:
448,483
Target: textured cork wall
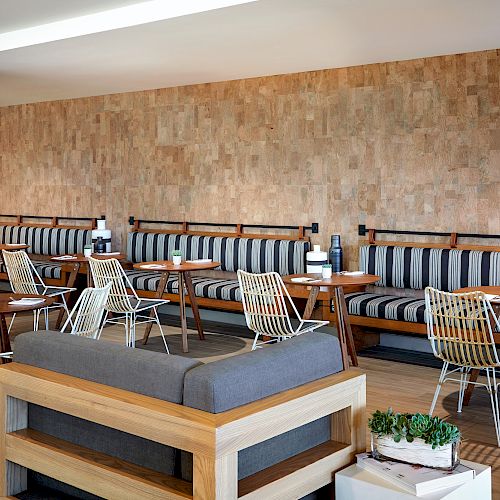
406,145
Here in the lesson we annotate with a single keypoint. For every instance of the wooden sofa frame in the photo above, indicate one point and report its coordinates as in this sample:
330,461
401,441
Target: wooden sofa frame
239,230
68,270
213,439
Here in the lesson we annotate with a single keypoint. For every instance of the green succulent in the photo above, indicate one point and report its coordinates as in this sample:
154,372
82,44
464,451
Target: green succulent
432,430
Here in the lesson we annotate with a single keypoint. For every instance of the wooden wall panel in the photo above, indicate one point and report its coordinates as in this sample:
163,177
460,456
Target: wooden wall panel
408,145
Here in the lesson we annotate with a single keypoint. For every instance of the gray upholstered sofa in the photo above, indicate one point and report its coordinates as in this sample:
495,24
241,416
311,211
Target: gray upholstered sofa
219,288
215,388
45,242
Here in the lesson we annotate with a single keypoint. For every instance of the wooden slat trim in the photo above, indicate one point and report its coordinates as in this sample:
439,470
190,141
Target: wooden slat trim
224,234
90,470
459,246
188,429
272,416
299,483
289,466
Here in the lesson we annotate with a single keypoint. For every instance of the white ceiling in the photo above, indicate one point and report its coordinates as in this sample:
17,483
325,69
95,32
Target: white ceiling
260,38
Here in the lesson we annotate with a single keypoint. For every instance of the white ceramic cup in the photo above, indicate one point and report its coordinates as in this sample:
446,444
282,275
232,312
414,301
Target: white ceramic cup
176,259
87,252
326,272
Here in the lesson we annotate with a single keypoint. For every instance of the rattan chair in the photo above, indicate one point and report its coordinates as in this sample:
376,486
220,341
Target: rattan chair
85,318
265,304
126,308
24,278
459,326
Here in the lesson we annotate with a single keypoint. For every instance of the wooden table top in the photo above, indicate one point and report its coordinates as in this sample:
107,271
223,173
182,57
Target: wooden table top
169,266
6,308
335,281
13,246
490,290
79,257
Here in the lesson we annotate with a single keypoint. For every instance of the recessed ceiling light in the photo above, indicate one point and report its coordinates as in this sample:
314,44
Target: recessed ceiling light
122,17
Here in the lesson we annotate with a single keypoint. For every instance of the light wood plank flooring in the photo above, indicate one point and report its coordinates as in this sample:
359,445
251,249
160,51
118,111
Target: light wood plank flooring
401,386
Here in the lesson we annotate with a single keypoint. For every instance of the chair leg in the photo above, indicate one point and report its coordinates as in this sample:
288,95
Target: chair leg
46,317
254,345
11,322
463,386
161,329
493,392
438,388
66,310
127,330
133,320
36,317
102,325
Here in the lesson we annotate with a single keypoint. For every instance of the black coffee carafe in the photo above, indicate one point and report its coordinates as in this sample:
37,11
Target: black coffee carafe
100,246
335,253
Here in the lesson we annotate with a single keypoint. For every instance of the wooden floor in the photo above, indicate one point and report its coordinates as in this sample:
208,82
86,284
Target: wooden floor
404,387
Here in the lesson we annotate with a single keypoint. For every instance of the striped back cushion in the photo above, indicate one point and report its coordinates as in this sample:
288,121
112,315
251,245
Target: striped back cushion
47,240
252,255
444,269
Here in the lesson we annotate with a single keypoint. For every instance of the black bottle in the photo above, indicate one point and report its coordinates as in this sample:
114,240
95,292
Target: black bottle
100,246
335,253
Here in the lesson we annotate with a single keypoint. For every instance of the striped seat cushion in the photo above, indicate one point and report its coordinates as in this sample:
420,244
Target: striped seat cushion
417,268
44,269
47,240
250,254
211,288
386,307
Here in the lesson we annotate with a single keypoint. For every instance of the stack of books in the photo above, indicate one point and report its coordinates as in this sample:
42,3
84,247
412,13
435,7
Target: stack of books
415,479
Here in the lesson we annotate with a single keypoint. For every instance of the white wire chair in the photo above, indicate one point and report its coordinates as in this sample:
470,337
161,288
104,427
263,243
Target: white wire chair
25,279
265,304
459,326
126,306
86,316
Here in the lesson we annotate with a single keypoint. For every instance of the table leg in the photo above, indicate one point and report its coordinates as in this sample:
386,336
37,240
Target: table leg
159,294
194,305
71,282
311,302
470,387
4,338
341,325
182,305
347,324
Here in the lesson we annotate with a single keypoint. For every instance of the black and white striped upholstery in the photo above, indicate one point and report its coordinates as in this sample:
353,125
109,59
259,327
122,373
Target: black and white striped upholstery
44,269
417,268
250,254
386,307
47,240
212,288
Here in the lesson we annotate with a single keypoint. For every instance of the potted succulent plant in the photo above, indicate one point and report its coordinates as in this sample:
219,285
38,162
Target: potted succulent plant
326,271
414,438
87,250
177,257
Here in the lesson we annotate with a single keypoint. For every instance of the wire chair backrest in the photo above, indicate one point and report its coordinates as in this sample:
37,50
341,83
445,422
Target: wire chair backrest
86,316
22,274
105,271
459,328
265,301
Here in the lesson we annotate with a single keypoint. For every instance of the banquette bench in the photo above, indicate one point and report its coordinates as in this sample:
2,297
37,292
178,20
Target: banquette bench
256,253
396,302
45,241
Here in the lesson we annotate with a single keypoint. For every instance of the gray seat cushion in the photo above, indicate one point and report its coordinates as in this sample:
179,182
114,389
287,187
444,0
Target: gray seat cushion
144,372
204,286
44,268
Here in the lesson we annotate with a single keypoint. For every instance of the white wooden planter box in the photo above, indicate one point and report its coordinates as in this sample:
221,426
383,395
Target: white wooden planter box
416,452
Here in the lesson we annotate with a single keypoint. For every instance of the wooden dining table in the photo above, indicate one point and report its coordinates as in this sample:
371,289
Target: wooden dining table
333,288
12,247
490,290
184,269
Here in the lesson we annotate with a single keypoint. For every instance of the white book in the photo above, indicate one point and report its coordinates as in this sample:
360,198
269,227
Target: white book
415,479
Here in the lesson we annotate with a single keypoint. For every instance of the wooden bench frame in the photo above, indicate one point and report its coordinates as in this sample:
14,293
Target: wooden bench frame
213,439
408,326
238,232
51,222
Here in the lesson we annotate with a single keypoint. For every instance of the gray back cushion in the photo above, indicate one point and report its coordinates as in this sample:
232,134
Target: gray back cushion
235,381
144,372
